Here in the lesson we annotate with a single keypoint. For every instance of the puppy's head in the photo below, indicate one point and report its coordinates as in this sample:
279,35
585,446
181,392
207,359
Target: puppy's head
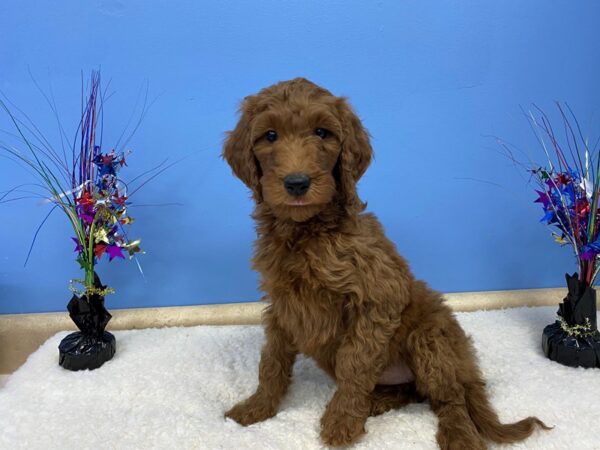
299,148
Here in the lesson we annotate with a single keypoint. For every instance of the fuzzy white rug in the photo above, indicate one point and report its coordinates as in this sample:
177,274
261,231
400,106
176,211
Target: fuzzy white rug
168,389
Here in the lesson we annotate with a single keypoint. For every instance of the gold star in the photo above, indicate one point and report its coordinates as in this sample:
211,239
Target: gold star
101,236
133,247
560,239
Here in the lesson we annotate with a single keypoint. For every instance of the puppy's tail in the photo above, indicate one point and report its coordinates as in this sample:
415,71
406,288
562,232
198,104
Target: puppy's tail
486,420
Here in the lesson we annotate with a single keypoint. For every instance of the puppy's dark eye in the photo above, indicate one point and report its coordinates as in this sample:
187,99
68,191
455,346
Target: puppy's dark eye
271,135
322,133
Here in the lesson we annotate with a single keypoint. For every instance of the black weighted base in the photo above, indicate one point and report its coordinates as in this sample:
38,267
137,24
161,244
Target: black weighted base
79,352
90,347
570,350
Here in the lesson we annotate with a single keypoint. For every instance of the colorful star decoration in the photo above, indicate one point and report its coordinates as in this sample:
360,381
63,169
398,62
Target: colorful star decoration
102,209
83,183
569,192
568,202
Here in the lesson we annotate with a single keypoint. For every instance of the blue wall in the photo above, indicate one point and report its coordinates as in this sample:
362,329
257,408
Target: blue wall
431,80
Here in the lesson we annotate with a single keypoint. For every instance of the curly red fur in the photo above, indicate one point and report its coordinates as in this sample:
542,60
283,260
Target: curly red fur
340,292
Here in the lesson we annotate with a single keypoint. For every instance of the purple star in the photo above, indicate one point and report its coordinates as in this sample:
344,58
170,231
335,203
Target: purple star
114,252
78,247
86,214
543,199
588,255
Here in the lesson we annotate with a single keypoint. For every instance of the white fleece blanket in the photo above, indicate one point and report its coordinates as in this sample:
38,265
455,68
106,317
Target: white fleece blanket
168,389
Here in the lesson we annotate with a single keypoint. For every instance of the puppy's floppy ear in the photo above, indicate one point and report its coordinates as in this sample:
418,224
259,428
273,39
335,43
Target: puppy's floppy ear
237,149
355,155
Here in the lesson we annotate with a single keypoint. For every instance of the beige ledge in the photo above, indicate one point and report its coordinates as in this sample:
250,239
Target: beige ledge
21,334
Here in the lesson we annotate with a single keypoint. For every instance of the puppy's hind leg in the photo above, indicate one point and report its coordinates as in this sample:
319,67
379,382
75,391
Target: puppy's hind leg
387,397
434,365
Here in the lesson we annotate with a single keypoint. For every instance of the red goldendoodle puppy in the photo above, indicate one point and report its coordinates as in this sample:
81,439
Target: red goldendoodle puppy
340,293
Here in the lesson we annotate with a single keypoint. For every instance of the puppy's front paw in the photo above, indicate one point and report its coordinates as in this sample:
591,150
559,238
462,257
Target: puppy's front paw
338,430
251,411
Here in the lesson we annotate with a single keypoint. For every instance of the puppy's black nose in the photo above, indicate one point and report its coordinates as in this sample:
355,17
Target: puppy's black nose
296,184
